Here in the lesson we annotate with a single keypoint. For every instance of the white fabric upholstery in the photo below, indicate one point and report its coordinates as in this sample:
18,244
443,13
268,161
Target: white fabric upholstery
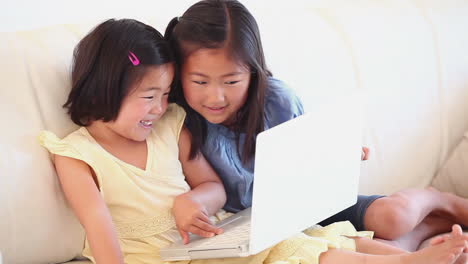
453,176
410,57
35,223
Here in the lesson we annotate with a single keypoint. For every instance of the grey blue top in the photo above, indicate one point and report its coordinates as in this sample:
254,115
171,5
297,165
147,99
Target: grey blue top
220,148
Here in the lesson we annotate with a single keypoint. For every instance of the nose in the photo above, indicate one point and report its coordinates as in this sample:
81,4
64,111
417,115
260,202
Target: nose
158,107
215,94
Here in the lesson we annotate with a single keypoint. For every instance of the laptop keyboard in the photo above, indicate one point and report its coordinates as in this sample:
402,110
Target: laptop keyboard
234,235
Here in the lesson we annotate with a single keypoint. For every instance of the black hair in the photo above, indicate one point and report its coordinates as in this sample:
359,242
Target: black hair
102,71
215,24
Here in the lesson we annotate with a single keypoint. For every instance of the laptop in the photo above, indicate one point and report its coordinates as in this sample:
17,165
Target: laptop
306,170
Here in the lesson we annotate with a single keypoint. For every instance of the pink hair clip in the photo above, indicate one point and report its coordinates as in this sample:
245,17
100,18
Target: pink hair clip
133,58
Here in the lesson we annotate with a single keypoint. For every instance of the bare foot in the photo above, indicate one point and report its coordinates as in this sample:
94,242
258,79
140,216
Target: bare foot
456,207
462,259
429,227
443,250
444,253
456,231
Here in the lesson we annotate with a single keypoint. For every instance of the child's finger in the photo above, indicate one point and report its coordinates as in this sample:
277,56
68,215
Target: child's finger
437,240
465,237
208,227
440,239
200,232
457,230
184,235
202,216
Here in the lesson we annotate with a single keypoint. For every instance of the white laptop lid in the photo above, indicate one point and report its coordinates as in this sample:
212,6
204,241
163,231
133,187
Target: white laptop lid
321,152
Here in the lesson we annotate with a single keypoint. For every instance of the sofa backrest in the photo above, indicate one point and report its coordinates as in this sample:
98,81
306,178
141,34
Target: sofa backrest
409,57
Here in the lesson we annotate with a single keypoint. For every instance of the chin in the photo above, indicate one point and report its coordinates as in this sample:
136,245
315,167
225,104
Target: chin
141,138
216,121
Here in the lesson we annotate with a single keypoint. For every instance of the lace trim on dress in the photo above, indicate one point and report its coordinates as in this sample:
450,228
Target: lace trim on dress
147,227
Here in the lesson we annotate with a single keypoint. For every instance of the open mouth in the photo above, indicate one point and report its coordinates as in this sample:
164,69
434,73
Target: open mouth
146,123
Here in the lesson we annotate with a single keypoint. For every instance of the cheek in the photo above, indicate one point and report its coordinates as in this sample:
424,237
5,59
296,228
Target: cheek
241,94
123,112
165,104
189,94
139,110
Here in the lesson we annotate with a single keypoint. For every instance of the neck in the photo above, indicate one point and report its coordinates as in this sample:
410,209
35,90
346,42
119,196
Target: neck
105,135
231,123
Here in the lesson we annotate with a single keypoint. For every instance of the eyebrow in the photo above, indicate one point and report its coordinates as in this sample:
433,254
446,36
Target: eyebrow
159,89
151,88
224,75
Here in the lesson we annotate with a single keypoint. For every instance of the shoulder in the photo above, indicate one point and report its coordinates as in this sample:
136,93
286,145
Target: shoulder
69,143
69,153
281,103
174,115
78,136
174,111
281,97
172,120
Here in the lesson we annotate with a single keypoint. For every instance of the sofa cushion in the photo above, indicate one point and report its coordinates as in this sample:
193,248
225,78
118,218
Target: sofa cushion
36,224
453,175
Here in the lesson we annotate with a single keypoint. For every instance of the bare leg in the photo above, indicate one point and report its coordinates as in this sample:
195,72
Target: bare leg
444,253
406,209
374,247
429,227
463,258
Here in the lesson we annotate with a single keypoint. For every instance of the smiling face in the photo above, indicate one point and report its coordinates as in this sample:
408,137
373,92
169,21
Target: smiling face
214,85
144,104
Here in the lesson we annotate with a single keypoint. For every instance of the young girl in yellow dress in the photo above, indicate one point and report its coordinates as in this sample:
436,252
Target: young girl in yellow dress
127,174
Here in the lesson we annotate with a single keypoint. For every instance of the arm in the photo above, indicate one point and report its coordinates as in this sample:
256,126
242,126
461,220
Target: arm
207,195
76,179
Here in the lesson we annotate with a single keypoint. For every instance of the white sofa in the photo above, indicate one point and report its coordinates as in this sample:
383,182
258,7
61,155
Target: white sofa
410,57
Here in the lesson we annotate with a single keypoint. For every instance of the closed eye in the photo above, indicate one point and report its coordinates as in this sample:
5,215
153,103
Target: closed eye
148,97
231,83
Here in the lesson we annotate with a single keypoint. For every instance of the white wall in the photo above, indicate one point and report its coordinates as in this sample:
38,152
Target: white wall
29,14
24,14
279,22
408,55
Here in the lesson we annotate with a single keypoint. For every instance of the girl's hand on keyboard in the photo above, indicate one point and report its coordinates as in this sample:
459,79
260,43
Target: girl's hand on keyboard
191,216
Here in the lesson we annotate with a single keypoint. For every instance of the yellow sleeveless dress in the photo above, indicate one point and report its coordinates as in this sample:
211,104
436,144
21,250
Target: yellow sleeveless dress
140,201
